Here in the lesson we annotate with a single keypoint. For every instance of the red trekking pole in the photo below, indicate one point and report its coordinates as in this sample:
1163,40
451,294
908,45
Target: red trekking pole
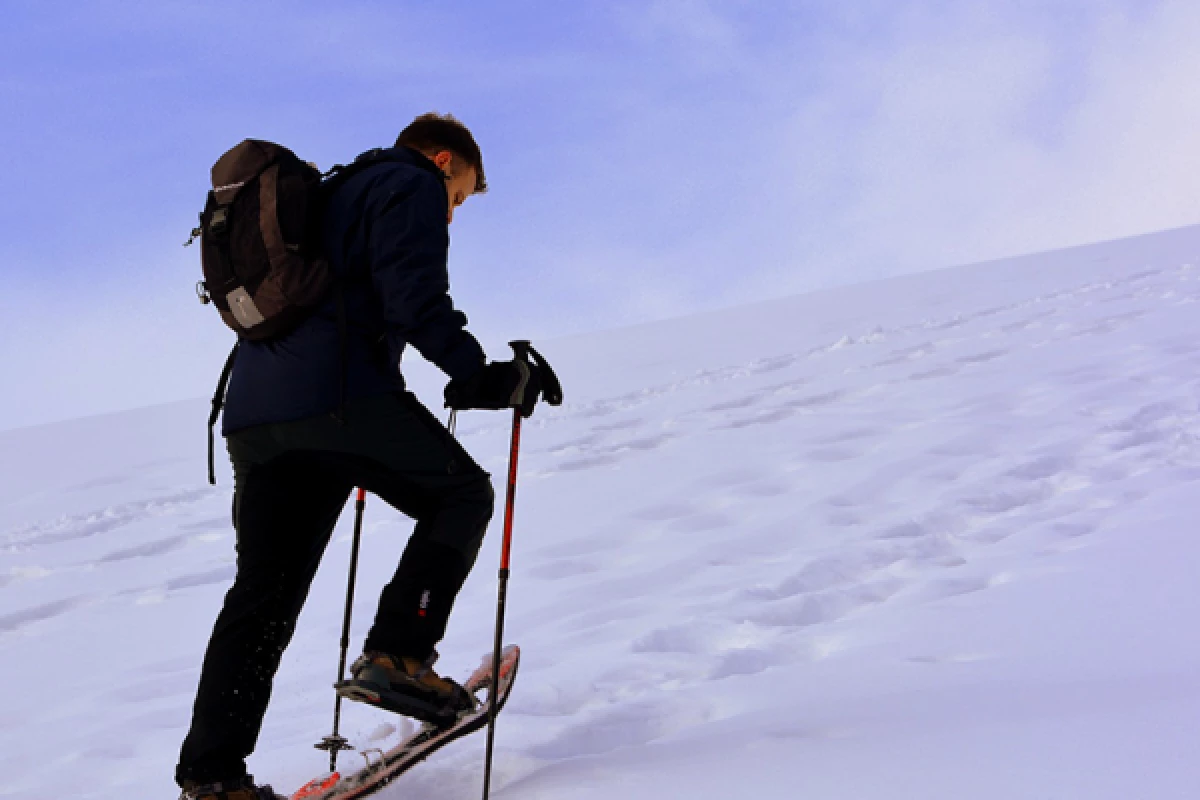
552,393
502,598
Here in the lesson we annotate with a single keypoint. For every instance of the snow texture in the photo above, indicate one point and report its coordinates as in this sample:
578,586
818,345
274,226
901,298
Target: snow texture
927,538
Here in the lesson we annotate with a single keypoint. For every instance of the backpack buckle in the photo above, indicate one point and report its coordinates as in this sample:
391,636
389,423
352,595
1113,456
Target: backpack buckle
219,220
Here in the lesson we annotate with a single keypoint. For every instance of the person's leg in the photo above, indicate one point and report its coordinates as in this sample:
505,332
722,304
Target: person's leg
451,498
395,448
285,511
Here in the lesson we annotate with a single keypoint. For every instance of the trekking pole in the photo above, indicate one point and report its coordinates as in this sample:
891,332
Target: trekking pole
502,599
335,742
552,392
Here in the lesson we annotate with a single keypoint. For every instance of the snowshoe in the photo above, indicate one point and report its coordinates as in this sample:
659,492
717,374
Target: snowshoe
384,767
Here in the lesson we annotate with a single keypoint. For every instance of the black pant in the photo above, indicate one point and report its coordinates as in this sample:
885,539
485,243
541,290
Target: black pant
291,481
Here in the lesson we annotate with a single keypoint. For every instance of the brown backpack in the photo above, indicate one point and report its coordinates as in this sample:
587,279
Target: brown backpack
259,240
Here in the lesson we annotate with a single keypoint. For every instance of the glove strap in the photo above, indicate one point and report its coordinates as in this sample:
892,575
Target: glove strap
518,395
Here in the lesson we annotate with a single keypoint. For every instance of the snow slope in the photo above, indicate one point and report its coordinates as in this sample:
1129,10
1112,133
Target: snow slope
926,538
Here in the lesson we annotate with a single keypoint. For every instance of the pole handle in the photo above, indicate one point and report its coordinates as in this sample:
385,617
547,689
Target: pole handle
552,391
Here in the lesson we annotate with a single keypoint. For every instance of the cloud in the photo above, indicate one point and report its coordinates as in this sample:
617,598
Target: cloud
942,134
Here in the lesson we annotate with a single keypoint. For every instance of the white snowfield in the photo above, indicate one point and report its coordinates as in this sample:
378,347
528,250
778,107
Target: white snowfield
933,537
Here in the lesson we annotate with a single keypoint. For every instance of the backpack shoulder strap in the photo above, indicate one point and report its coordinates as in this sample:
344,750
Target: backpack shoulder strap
339,173
218,402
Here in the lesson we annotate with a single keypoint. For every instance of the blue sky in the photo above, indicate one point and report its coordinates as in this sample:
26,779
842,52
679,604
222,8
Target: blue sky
647,159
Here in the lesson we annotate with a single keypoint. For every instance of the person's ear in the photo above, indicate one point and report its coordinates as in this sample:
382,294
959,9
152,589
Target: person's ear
443,158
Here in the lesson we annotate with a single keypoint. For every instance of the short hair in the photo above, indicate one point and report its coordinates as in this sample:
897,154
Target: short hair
434,131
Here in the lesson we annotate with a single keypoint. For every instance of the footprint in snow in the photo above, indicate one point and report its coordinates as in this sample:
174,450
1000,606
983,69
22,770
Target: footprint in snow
1001,500
983,358
619,425
851,435
773,364
946,589
815,609
907,355
823,574
1027,323
736,404
16,621
1073,530
223,574
763,418
938,372
927,527
210,524
591,462
1146,416
745,661
82,526
154,548
833,455
951,658
818,400
579,443
1042,467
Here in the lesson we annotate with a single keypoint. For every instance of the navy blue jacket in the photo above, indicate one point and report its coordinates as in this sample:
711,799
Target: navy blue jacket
385,233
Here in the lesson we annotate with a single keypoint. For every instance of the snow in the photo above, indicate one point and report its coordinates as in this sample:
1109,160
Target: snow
924,538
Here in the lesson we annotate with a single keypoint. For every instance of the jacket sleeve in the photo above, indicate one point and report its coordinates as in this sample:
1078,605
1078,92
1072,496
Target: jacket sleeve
408,244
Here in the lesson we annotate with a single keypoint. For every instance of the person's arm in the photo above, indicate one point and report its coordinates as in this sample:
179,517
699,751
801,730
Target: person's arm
408,243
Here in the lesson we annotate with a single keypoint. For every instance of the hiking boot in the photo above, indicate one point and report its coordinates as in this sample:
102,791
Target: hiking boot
239,789
406,686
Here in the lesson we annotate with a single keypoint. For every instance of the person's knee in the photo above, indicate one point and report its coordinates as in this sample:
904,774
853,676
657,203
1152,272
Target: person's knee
475,496
476,504
487,496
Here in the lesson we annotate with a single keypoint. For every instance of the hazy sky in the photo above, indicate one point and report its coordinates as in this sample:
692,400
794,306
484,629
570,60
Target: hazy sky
647,159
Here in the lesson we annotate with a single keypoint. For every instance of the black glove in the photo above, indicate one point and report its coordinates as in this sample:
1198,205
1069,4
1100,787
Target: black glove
500,384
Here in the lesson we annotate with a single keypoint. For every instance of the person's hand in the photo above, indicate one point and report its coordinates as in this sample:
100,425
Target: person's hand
500,384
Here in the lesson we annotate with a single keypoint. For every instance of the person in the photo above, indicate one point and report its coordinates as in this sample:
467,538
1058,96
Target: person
322,409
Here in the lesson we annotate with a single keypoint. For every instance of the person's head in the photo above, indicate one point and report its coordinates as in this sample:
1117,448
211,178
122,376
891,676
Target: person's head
446,142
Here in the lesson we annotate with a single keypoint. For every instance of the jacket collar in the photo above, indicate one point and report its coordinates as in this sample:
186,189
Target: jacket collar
419,159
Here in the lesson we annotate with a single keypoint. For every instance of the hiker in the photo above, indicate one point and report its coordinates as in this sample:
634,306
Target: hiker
322,409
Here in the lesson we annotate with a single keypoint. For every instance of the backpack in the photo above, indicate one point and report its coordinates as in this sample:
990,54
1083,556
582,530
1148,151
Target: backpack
260,248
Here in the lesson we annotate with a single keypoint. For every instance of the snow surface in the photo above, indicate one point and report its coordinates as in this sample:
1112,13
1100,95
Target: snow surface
932,537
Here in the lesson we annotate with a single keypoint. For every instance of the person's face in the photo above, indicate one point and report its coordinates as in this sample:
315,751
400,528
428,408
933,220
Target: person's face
460,180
